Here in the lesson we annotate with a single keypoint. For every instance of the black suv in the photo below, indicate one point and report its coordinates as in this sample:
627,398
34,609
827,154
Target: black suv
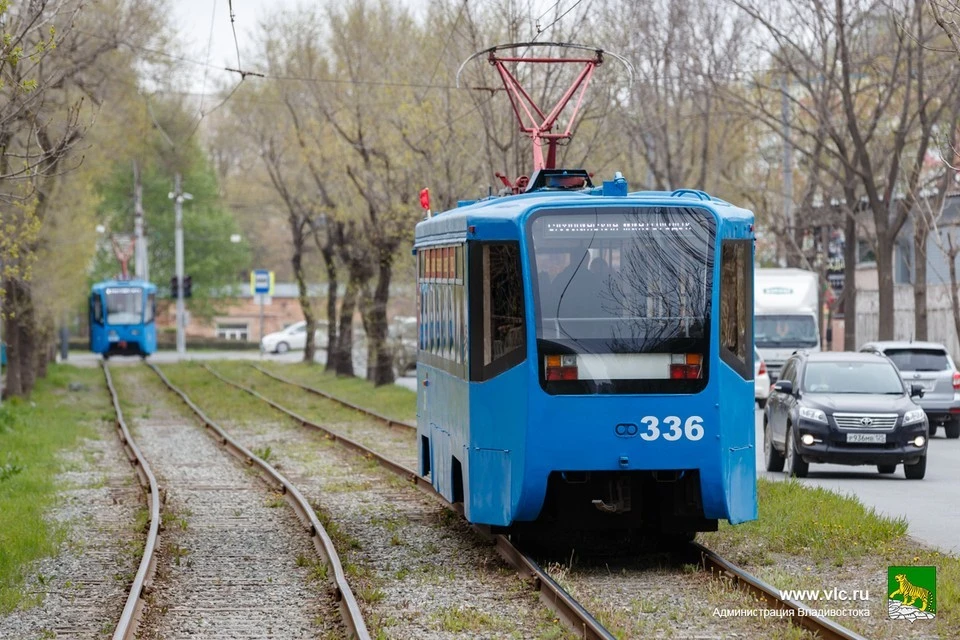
844,408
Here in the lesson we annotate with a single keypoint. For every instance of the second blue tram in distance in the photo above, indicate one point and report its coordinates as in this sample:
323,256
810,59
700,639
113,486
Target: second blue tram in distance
585,359
122,318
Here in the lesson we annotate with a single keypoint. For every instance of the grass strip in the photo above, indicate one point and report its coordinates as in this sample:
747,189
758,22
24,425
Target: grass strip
32,433
390,400
834,538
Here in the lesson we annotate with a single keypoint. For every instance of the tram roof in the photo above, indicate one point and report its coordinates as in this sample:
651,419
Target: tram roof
105,284
509,209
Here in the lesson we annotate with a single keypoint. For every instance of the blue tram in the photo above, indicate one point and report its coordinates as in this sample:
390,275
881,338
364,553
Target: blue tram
122,314
586,360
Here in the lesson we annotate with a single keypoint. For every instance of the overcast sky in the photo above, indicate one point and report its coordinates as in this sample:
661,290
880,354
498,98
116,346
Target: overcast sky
193,19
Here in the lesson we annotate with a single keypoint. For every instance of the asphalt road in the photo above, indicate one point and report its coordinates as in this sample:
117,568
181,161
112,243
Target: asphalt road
931,505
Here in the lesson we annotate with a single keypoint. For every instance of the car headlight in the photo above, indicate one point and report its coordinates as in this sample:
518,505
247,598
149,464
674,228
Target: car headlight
813,414
913,416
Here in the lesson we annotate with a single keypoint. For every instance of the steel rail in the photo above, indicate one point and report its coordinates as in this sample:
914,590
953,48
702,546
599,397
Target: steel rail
551,593
716,565
802,614
390,422
349,609
130,617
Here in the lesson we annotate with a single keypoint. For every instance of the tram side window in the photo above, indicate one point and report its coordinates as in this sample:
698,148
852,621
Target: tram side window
151,310
97,306
498,341
736,306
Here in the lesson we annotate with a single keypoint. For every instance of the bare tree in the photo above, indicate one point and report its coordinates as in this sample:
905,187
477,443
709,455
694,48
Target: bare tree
947,15
53,66
868,80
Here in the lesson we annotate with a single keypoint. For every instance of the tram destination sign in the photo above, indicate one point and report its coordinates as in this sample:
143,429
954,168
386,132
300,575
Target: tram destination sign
573,228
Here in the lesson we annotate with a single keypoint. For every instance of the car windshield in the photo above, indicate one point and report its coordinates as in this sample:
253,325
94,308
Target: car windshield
785,331
919,359
124,305
852,377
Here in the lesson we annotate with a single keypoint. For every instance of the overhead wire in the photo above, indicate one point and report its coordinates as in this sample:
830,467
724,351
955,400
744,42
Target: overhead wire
446,43
206,68
233,26
557,19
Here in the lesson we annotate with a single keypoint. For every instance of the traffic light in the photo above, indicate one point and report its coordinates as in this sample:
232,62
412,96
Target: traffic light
173,287
187,286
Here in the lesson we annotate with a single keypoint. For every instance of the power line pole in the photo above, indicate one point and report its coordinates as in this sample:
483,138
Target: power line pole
141,269
787,158
178,196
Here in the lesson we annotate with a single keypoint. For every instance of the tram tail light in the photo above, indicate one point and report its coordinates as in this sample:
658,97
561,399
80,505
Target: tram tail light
561,367
685,366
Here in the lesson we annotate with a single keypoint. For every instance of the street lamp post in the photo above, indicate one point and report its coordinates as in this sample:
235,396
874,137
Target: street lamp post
178,196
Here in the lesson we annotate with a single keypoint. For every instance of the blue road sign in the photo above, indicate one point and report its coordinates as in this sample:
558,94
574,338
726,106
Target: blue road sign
261,282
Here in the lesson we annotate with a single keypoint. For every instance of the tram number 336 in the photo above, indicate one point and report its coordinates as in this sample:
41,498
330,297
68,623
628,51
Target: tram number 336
670,428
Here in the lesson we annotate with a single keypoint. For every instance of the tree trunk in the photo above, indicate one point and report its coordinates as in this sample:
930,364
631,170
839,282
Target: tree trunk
920,234
345,337
850,284
333,353
885,309
364,304
44,335
11,335
26,328
954,301
379,355
303,296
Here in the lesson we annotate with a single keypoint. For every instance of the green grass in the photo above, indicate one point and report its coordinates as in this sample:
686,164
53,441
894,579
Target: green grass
219,401
32,433
390,400
809,521
462,619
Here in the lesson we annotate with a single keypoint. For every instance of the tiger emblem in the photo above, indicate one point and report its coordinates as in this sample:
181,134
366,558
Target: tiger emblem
910,592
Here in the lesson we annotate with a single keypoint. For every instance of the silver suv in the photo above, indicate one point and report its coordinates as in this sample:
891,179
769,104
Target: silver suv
928,364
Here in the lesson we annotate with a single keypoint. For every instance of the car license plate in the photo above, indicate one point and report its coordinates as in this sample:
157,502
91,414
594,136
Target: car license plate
872,438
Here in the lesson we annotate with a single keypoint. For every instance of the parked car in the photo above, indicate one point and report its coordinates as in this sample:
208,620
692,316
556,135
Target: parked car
402,338
929,365
761,380
844,408
292,337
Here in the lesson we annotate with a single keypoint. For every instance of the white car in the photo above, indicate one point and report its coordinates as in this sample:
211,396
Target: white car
402,338
761,380
292,337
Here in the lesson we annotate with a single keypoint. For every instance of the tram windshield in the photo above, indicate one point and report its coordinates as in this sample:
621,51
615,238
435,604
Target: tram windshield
624,290
124,305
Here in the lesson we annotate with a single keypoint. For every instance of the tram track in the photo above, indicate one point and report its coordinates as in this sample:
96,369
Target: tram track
419,569
130,617
710,562
573,614
224,557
